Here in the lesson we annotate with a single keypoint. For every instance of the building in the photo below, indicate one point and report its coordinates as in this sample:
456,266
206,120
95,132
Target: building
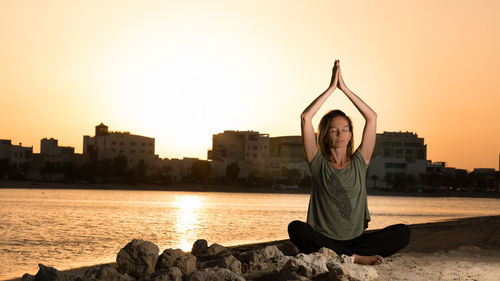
16,155
287,153
287,148
51,151
249,149
107,145
404,145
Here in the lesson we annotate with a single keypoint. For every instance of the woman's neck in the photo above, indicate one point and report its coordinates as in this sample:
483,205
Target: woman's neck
338,155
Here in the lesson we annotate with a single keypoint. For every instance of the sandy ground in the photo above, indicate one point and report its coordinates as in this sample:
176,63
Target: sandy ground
463,249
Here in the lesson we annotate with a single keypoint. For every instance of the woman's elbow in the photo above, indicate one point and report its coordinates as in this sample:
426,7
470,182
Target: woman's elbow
305,116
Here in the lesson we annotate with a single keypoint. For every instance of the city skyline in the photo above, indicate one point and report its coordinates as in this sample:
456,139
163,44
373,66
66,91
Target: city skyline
211,147
181,70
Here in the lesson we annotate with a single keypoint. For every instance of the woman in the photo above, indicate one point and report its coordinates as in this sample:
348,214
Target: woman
338,211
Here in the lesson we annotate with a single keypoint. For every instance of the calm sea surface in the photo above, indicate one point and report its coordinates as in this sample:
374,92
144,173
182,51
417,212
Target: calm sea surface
72,228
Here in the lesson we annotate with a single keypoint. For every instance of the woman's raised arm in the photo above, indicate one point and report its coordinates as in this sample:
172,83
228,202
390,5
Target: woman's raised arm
308,135
370,130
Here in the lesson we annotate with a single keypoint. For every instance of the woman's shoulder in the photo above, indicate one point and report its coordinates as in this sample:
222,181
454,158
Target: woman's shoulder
358,158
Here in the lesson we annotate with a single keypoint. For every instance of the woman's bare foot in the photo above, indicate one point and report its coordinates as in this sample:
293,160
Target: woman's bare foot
368,259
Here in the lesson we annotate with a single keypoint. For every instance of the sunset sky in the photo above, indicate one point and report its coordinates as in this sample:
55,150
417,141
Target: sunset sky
180,71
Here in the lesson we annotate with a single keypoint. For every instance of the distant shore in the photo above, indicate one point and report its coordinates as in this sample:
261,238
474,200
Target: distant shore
461,249
221,188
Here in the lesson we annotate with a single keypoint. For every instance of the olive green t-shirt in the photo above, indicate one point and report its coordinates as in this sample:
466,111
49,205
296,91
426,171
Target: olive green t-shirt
338,207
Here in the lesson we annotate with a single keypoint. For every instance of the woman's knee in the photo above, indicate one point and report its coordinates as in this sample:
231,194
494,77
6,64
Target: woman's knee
295,227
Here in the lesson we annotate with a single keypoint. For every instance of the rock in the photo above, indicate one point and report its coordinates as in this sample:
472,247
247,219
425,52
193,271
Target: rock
347,271
138,258
186,263
28,277
177,258
229,262
220,274
200,248
288,248
170,274
263,261
327,253
45,273
269,254
106,272
217,250
168,257
304,266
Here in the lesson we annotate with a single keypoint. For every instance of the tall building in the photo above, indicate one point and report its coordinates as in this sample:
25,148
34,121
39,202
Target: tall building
108,144
404,145
249,149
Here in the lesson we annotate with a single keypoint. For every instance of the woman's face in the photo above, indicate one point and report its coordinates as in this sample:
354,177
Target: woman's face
339,133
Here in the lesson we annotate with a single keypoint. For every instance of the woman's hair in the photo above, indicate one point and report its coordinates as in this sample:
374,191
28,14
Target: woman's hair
324,127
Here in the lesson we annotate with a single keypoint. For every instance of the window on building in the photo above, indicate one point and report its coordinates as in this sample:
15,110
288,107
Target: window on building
255,155
121,143
132,143
387,152
399,151
121,150
409,151
113,142
150,152
132,151
150,144
255,147
143,144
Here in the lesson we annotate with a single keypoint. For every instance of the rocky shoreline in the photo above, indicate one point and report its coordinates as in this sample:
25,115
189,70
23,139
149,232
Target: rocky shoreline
139,260
464,249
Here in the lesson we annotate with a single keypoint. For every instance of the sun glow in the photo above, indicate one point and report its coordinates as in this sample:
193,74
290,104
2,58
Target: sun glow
187,223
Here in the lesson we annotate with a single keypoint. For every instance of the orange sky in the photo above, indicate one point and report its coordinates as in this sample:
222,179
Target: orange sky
180,71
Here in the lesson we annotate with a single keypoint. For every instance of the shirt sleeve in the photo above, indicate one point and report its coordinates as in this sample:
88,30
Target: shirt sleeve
316,160
358,157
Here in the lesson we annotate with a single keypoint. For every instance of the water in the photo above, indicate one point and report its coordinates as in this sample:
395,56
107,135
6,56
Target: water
72,228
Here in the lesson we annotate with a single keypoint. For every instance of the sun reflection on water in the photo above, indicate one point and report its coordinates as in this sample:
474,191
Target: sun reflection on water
187,220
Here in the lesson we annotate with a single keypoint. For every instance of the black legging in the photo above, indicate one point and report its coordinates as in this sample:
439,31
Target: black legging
383,242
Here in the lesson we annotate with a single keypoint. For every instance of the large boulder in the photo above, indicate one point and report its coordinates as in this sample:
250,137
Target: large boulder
106,272
170,274
177,258
138,258
220,274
